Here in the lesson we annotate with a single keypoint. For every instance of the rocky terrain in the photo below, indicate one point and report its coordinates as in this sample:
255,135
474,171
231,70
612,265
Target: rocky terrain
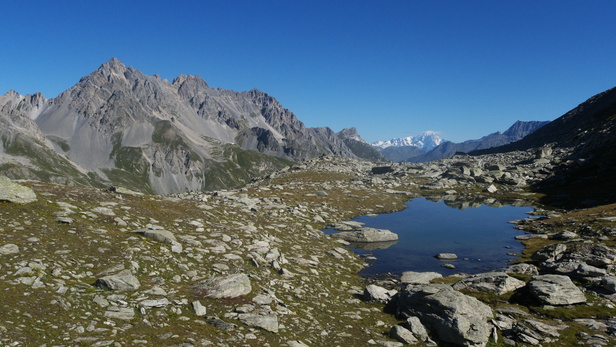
251,266
85,263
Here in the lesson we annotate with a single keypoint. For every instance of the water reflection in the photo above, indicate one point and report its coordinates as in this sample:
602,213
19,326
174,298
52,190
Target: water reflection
462,202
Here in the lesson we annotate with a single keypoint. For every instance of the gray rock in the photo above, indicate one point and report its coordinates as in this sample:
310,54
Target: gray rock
417,328
348,226
550,252
585,270
491,189
122,281
265,322
220,324
13,192
609,284
522,269
565,235
123,313
200,310
155,303
411,277
403,335
555,290
491,282
456,318
446,256
157,235
9,248
376,293
367,235
230,286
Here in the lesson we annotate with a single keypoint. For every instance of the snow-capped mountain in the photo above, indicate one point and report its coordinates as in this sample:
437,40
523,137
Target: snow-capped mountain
424,141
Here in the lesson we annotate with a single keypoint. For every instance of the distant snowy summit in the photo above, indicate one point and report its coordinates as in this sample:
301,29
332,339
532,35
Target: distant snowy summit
424,141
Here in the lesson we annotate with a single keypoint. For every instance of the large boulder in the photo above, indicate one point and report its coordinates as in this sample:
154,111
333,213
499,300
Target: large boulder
13,192
367,235
555,290
230,286
454,317
491,282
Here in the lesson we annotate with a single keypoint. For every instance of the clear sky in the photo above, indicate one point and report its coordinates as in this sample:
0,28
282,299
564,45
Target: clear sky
389,68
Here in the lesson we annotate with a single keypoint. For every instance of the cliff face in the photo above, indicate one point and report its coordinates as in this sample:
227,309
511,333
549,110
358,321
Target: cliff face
124,127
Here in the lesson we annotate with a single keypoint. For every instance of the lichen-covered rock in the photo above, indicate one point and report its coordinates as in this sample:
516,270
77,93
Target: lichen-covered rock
9,248
122,281
13,192
555,290
230,286
491,282
265,322
454,317
367,235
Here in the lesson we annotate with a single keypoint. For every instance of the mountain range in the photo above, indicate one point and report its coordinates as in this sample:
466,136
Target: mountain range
428,146
424,141
118,126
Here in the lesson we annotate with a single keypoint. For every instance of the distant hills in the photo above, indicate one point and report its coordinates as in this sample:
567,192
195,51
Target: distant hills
401,151
118,126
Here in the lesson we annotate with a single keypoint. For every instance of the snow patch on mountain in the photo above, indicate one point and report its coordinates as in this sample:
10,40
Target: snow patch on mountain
424,141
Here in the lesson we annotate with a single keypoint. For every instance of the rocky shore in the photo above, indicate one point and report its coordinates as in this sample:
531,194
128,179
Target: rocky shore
250,267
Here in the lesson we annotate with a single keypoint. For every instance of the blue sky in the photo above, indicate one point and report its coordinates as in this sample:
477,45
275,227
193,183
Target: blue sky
389,68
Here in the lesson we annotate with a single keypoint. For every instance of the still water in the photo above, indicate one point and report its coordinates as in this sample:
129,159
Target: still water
481,235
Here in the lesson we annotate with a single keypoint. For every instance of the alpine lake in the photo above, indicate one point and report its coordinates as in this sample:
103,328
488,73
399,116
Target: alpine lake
478,233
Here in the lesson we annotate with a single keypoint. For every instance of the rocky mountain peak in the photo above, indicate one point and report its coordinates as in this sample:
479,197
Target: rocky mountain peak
113,65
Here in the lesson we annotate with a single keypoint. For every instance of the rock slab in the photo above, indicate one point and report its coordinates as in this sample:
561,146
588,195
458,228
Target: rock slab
367,235
456,318
555,290
230,286
491,282
13,192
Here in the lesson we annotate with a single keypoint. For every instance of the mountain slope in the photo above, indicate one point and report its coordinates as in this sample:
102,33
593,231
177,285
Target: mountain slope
119,126
516,132
581,146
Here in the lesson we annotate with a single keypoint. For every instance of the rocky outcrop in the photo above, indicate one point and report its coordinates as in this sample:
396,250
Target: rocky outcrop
454,317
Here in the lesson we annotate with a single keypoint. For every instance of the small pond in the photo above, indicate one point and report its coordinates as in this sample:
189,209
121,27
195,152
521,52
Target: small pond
477,233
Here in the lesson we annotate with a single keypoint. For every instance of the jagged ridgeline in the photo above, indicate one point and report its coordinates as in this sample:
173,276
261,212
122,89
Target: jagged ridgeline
118,126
